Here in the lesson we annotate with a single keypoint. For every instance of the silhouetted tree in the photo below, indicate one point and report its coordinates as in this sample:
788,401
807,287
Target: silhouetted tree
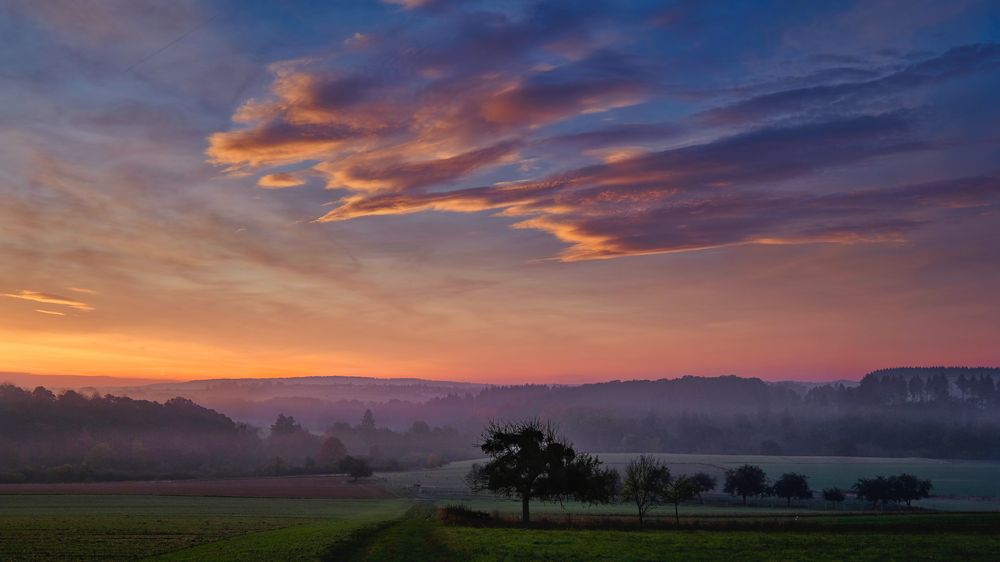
916,389
291,441
331,452
906,488
875,490
355,467
528,460
368,421
644,483
792,485
679,490
703,482
834,495
746,481
937,386
285,425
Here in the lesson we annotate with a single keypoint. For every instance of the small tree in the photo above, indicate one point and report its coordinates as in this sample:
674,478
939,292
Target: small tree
907,487
746,481
703,482
644,483
834,495
528,460
285,425
792,485
331,452
368,421
875,490
679,490
355,467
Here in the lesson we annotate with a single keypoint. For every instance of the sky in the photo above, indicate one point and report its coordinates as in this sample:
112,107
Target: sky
499,191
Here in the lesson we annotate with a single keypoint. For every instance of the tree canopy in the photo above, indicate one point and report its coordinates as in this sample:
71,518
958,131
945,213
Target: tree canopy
746,481
791,486
528,460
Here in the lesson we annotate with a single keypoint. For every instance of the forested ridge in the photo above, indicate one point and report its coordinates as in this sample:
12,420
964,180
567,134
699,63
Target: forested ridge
941,412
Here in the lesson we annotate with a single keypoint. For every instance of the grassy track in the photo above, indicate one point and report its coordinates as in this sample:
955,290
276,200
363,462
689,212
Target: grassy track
417,536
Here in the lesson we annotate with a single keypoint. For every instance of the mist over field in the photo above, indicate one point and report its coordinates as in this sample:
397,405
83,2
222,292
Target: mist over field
307,425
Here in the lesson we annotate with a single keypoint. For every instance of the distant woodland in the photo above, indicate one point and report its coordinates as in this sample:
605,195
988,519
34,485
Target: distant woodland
945,412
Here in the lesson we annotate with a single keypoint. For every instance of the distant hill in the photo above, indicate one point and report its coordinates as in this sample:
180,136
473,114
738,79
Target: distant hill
931,412
221,392
59,382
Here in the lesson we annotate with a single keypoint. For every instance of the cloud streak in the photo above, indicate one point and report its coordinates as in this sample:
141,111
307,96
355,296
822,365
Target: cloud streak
690,198
48,298
882,91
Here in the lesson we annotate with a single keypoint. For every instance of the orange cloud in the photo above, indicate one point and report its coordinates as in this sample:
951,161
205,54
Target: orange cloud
279,181
50,312
48,298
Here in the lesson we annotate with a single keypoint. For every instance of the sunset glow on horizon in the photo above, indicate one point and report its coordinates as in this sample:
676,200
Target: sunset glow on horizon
498,192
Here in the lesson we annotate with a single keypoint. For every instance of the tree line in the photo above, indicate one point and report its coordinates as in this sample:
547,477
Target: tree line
73,437
528,460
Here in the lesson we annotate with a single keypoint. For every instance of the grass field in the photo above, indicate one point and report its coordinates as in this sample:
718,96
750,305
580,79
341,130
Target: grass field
894,537
180,528
121,524
37,527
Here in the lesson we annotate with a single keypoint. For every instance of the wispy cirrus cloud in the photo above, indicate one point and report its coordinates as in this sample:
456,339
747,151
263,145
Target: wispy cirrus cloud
849,95
49,298
49,312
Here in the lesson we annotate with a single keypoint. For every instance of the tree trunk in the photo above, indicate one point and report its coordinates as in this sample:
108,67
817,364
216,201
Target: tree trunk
525,517
789,504
677,514
640,518
744,500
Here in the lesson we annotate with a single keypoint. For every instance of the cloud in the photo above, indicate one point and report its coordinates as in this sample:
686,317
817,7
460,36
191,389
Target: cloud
413,111
49,298
767,155
82,290
955,63
371,174
702,196
49,312
279,181
537,112
615,135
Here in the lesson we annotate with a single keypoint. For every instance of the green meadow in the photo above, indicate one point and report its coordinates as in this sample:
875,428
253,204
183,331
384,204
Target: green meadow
122,527
169,528
180,528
